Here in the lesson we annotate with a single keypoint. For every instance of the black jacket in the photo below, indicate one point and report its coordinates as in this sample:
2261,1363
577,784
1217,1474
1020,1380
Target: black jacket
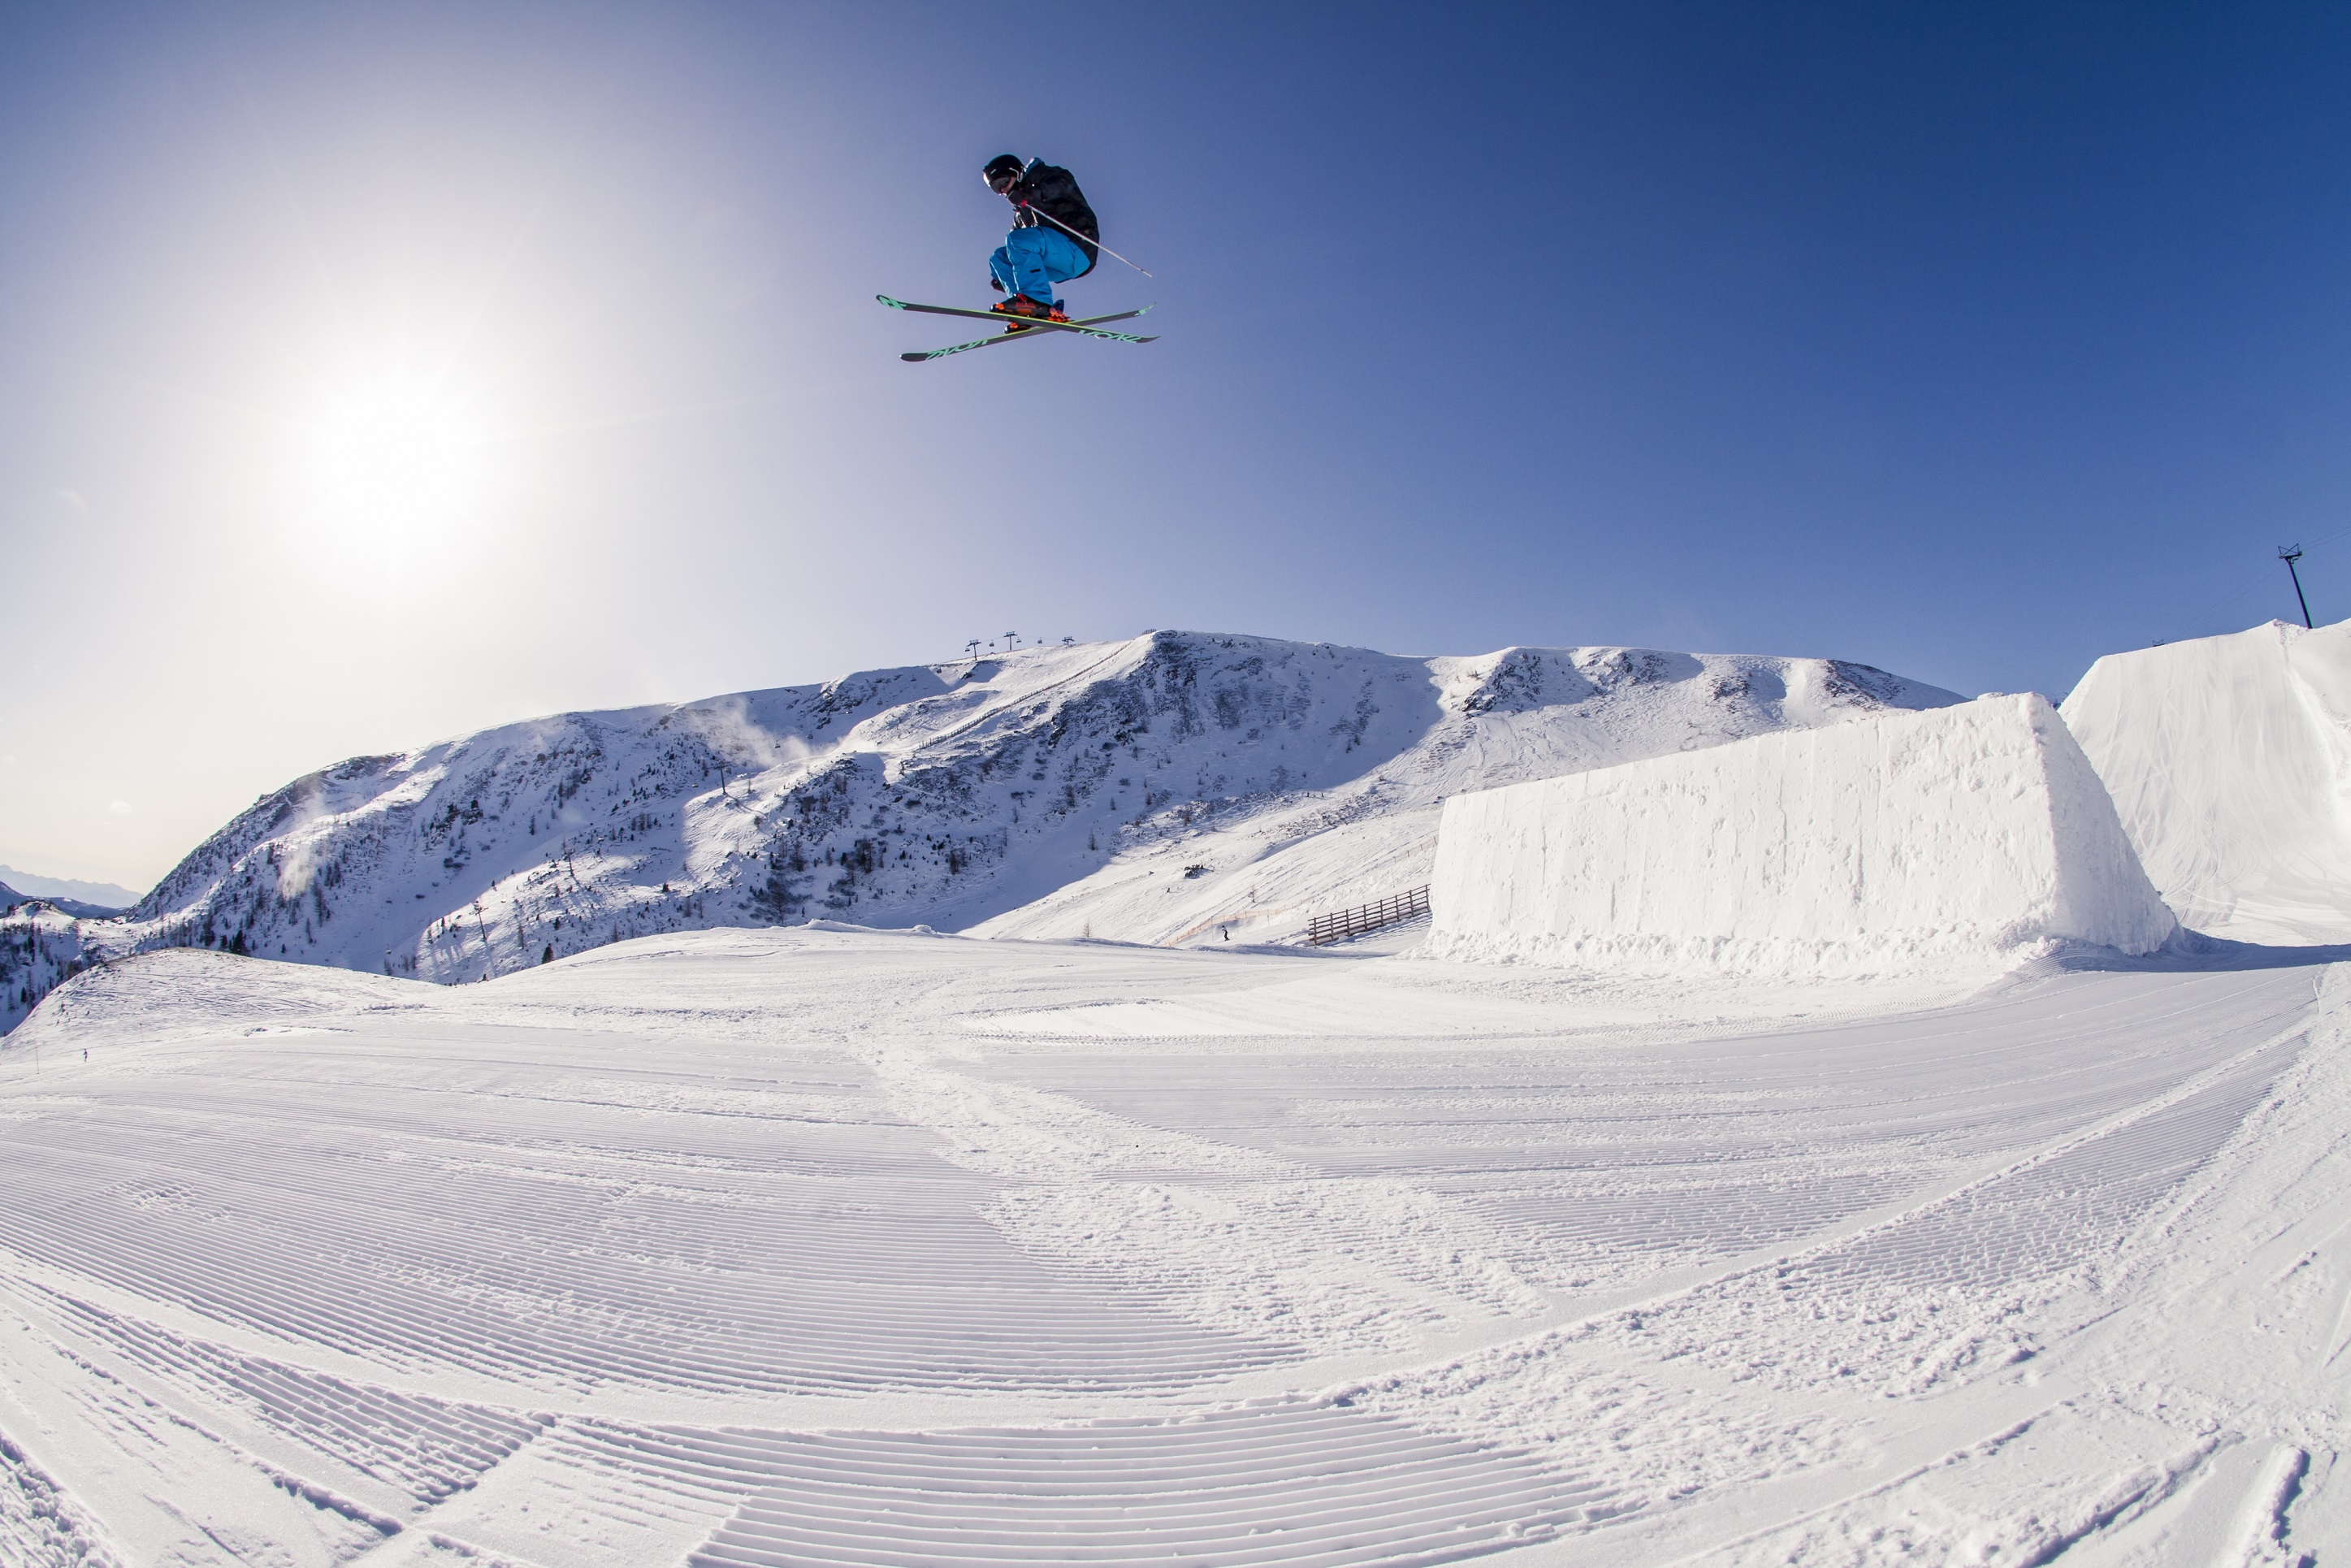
1053,191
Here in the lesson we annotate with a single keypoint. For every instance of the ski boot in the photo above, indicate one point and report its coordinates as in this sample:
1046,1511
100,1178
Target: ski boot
1025,310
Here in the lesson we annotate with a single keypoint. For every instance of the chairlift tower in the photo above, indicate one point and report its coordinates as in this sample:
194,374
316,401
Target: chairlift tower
2289,554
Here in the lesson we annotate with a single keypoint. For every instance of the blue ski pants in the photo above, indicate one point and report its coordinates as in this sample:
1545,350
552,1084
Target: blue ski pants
1030,261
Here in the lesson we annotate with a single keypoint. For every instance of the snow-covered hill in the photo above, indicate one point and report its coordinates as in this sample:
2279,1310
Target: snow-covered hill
1048,791
41,947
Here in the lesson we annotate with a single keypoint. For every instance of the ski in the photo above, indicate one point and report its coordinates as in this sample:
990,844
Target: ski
918,356
1086,326
990,341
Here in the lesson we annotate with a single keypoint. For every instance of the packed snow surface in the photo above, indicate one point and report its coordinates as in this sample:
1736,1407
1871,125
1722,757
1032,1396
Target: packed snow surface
1903,843
2230,760
822,1244
1175,788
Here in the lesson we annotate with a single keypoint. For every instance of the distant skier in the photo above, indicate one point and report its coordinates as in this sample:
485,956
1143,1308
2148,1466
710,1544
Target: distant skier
1054,238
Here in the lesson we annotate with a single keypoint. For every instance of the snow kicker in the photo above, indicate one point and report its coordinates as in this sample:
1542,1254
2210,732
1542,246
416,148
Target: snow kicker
1903,843
2230,762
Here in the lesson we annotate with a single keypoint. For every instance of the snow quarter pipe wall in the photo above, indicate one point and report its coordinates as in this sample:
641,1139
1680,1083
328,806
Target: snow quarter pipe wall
1916,841
2230,762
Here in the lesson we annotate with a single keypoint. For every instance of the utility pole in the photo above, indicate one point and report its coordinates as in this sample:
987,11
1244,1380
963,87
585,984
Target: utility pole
2289,554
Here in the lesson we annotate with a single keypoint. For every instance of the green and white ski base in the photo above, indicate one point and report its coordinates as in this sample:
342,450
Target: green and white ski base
1085,326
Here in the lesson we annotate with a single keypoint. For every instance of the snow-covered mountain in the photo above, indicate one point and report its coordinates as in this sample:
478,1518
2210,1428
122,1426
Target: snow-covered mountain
1363,822
80,909
41,947
1061,790
65,891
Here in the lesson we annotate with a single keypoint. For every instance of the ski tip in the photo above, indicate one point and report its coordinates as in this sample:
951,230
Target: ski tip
893,304
914,358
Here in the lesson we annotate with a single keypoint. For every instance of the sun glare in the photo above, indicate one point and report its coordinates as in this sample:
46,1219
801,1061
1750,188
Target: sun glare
396,455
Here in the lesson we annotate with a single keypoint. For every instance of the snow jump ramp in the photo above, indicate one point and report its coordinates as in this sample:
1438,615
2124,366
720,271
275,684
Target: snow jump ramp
1917,842
2228,759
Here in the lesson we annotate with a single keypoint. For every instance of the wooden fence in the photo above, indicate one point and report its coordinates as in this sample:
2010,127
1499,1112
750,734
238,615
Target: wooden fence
1323,930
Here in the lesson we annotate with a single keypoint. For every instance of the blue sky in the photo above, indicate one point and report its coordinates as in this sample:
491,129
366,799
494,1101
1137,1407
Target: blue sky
1973,341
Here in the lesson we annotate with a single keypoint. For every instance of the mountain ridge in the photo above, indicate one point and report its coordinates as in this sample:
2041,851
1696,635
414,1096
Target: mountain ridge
104,897
1011,795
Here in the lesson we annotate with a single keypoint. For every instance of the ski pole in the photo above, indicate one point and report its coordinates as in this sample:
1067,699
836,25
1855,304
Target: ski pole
1074,235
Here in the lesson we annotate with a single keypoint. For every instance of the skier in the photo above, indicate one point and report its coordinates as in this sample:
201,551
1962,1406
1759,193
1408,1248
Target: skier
1054,238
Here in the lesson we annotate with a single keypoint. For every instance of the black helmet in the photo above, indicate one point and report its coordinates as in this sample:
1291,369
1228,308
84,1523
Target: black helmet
1002,171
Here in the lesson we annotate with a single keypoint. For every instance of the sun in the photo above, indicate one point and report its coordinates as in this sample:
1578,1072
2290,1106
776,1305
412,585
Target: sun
396,452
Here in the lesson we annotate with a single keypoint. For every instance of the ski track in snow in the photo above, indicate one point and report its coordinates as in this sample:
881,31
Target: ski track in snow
829,1246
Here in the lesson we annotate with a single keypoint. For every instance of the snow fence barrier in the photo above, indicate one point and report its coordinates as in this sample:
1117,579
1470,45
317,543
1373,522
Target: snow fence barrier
1321,930
1915,841
2230,762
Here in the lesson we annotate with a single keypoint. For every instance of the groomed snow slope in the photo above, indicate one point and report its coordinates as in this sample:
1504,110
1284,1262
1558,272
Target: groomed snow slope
2230,762
745,1249
1299,775
1910,841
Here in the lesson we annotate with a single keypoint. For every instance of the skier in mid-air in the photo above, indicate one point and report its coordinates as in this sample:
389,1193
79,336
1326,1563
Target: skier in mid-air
1054,238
